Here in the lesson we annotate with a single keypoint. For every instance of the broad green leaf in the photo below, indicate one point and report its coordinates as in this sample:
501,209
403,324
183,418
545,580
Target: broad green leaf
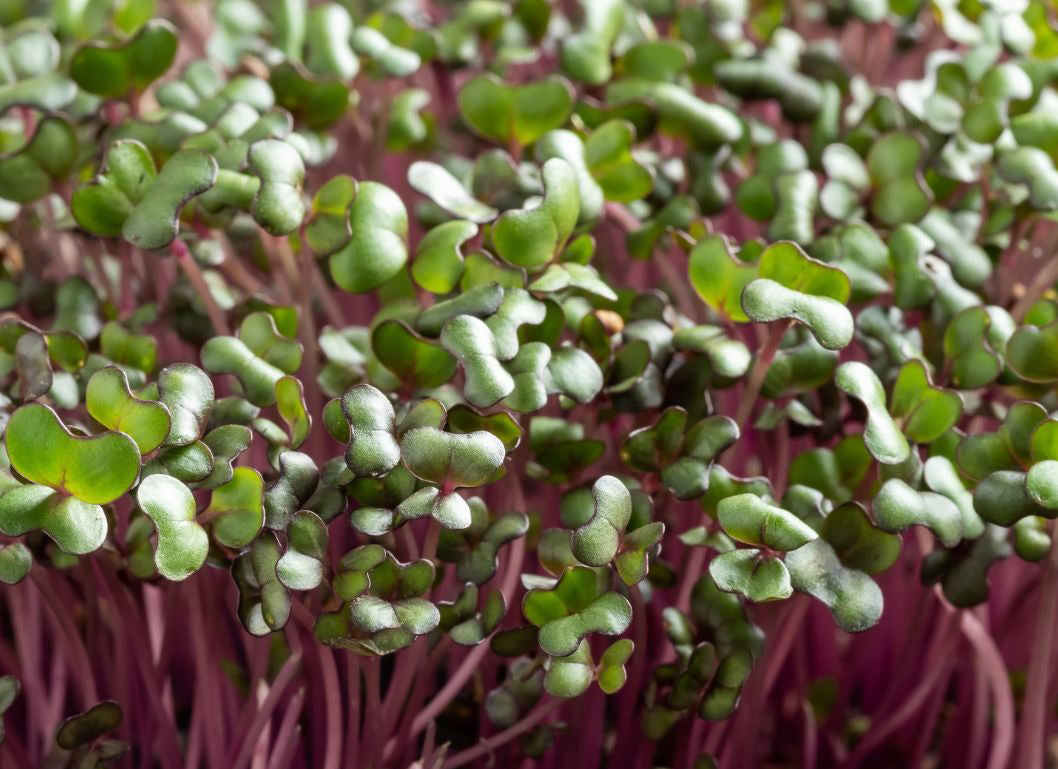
882,435
751,573
437,183
372,449
111,403
115,72
438,264
87,727
236,509
378,248
15,562
182,543
264,604
187,392
898,506
532,237
95,469
853,598
519,113
924,411
303,564
749,519
596,542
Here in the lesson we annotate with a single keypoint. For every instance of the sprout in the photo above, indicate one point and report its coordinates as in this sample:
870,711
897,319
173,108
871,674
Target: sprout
615,367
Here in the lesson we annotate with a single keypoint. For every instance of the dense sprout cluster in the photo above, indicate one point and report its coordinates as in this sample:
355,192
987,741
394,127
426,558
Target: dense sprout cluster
574,336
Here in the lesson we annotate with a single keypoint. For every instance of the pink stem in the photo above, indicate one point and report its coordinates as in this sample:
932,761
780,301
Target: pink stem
999,681
488,746
1034,712
264,713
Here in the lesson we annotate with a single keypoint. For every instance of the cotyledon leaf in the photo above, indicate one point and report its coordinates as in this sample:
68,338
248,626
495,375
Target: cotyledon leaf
882,435
187,391
236,509
182,542
110,402
898,506
95,469
596,542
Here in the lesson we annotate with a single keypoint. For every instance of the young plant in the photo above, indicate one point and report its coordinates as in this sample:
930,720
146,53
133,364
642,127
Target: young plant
629,383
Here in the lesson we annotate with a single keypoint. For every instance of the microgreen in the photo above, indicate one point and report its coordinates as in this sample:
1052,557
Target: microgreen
617,368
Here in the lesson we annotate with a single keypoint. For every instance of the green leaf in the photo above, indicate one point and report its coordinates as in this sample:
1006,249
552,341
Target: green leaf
230,355
925,412
596,542
290,402
438,264
15,562
451,460
681,112
857,542
1032,540
749,519
1030,353
115,72
182,543
585,54
187,391
236,509
900,195
328,29
882,435
480,302
378,248
568,146
417,362
572,609
718,277
973,341
303,564
264,604
96,470
328,228
75,526
941,476
30,172
154,219
475,549
853,598
765,300
1005,497
570,675
473,344
532,237
611,673
372,449
317,101
608,156
278,205
1034,168
298,479
439,185
752,574
111,403
1041,482
573,373
482,624
519,113
898,506
137,350
390,59
633,560
87,727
